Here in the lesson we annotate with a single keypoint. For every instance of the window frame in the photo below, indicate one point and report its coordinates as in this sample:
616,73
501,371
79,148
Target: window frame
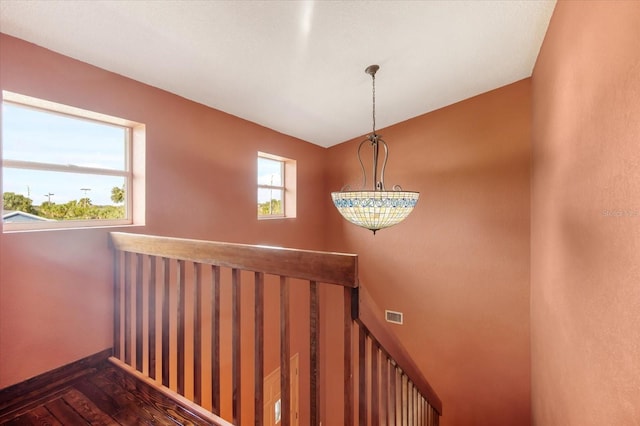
134,135
288,185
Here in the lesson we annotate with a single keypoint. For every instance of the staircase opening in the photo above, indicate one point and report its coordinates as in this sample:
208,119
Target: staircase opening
273,392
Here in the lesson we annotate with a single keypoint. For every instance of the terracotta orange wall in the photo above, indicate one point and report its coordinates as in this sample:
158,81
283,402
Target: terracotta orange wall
458,267
585,289
55,286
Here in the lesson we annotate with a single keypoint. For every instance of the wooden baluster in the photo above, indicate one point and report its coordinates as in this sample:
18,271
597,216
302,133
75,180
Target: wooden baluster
314,321
375,400
259,349
425,412
362,376
428,415
384,388
416,404
400,406
411,401
151,285
399,395
434,416
419,411
116,306
285,379
405,399
197,333
393,399
348,360
181,325
414,415
166,282
215,340
139,304
236,367
420,402
127,308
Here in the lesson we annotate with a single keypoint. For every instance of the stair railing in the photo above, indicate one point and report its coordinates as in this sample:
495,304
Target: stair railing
392,389
183,309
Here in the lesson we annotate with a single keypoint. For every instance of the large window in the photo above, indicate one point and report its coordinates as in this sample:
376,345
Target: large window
66,167
276,186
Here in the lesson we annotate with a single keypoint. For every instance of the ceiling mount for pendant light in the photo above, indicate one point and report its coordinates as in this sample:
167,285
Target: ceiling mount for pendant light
375,208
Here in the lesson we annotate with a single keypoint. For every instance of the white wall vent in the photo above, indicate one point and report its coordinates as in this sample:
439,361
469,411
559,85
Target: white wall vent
393,316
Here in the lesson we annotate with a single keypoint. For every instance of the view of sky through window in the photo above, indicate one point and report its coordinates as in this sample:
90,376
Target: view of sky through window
269,173
29,134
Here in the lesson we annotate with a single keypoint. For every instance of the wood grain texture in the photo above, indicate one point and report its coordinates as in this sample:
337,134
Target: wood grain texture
384,388
117,271
259,349
285,349
332,268
102,395
49,382
175,405
375,401
236,349
197,333
362,377
138,293
64,412
348,357
166,315
215,340
127,308
152,317
180,340
315,350
391,413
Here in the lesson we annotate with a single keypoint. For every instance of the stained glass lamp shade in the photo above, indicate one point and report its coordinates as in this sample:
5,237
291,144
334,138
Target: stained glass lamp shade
376,208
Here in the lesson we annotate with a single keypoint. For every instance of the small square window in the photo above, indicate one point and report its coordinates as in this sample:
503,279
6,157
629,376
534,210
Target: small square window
276,186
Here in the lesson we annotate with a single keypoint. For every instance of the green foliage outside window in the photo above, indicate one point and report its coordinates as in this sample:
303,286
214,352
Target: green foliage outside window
81,209
117,195
270,208
13,201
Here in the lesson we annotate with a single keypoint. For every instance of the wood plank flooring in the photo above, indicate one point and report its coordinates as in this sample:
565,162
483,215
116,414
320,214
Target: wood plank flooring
104,396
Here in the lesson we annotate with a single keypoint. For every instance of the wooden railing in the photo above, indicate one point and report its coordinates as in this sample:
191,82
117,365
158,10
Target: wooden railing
184,311
398,392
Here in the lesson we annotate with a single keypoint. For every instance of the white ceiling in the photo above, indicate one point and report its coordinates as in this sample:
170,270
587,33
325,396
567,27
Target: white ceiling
293,66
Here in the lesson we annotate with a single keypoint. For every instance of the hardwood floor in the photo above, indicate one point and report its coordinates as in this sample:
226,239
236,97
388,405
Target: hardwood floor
104,396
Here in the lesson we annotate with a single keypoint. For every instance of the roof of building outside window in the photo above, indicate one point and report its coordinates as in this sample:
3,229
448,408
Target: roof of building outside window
16,216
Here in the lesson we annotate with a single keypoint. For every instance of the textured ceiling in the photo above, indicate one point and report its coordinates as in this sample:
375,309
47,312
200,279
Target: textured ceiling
298,67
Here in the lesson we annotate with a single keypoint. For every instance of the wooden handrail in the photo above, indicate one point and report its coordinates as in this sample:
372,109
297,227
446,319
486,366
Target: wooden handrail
331,268
368,314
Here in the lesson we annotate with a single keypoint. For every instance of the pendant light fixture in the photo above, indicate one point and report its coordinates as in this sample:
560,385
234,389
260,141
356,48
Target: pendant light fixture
375,208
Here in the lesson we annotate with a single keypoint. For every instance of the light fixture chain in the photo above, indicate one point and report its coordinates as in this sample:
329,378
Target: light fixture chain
373,77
